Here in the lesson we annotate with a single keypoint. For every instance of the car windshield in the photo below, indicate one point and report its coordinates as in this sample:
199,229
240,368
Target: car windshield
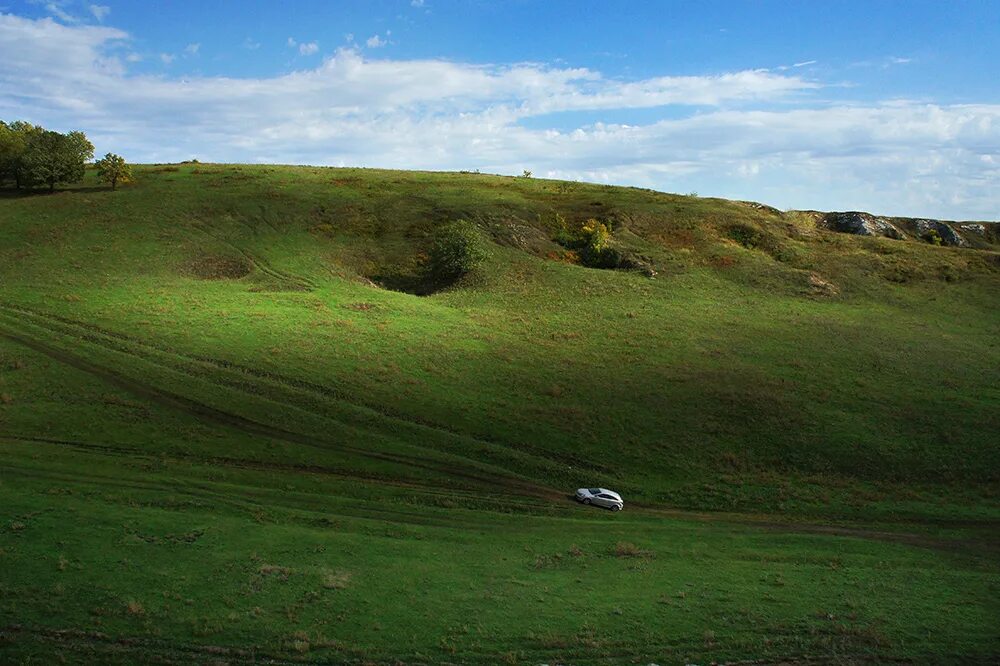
593,491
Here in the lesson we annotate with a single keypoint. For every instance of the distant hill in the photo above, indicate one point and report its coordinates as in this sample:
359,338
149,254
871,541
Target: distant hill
239,420
767,342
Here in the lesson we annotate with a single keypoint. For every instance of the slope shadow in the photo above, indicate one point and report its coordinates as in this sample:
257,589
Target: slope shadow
9,193
416,284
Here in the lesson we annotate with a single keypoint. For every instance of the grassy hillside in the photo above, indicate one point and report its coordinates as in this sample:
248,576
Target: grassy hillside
228,432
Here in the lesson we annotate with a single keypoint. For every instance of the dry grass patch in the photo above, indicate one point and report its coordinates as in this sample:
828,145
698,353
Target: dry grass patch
336,580
626,549
282,573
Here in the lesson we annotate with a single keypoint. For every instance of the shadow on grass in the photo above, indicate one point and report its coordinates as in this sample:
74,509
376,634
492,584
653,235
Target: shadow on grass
10,193
417,284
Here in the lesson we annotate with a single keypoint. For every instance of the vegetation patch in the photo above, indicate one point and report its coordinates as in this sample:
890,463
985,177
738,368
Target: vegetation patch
594,245
627,549
336,580
219,267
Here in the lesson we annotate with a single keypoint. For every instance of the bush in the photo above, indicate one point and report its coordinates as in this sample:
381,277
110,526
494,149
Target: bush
933,237
594,246
457,249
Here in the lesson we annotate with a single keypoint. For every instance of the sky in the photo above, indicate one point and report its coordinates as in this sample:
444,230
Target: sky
889,107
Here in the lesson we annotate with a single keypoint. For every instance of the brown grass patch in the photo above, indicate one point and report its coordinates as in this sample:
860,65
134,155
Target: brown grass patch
336,580
216,267
360,307
282,573
626,549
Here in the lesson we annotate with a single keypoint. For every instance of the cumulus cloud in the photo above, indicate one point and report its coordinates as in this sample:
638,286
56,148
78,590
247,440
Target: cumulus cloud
192,49
167,58
756,134
308,48
375,41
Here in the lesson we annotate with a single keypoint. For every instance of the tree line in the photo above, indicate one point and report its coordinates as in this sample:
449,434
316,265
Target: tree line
32,156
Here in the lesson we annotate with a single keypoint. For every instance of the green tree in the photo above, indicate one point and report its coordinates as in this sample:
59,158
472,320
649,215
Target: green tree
113,169
457,249
52,158
14,139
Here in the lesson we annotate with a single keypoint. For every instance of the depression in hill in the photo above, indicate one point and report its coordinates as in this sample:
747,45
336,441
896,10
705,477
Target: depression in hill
467,332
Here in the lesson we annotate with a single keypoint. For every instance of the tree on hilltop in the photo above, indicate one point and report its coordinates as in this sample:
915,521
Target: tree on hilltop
113,169
52,158
14,140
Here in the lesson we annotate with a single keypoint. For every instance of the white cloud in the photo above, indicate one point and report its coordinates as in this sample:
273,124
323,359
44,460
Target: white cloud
167,58
309,48
250,44
375,42
100,12
291,43
416,3
133,57
740,134
192,49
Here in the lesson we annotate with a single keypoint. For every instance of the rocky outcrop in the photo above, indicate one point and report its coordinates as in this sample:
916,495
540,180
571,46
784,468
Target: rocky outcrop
862,224
947,235
974,227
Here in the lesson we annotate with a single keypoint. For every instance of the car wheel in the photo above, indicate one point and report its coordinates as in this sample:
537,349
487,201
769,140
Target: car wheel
586,500
616,508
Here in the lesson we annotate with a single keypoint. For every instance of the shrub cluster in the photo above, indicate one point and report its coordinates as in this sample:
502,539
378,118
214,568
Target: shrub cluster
596,247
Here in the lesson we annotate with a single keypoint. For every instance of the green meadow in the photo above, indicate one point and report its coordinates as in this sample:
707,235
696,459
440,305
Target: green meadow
237,426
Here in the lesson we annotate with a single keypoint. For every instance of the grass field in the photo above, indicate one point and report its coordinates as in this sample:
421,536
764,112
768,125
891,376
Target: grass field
221,441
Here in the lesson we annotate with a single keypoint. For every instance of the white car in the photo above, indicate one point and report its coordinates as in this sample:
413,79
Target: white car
600,497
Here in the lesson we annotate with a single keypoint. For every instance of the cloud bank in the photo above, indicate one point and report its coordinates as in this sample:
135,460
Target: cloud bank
758,134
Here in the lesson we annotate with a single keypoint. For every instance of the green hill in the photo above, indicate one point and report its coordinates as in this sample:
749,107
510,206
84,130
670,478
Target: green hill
237,423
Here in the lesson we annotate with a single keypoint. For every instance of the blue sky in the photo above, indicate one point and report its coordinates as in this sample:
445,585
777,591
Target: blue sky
885,106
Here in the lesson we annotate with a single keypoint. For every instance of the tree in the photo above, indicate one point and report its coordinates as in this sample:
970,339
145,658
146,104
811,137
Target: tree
52,158
458,248
14,139
112,169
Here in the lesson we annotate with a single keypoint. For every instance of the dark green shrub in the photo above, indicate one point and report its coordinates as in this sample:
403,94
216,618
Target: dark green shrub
458,248
746,236
933,237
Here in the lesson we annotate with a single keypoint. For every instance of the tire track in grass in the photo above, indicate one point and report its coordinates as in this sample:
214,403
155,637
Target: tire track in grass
211,414
491,448
147,649
368,420
426,490
530,489
150,354
246,500
300,282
